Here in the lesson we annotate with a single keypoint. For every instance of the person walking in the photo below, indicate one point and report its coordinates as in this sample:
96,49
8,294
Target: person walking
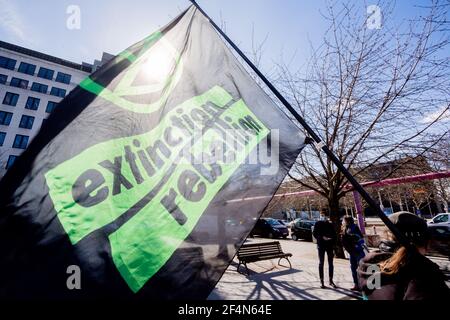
399,273
353,243
326,238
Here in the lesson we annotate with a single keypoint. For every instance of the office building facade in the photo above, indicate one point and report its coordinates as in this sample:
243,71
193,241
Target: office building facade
31,86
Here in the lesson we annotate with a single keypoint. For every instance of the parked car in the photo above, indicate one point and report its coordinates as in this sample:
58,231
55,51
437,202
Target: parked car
439,240
284,222
441,219
302,229
270,228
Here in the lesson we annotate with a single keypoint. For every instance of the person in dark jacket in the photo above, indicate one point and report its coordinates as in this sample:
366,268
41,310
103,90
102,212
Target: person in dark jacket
326,238
353,243
397,273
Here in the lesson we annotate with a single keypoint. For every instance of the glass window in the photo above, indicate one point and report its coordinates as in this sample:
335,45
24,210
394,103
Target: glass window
20,141
11,99
5,118
63,77
19,83
45,73
2,138
10,162
50,106
273,222
32,103
7,63
39,87
441,218
27,68
3,78
58,92
26,122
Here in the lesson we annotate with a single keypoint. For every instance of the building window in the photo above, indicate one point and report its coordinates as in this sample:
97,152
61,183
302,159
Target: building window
2,138
45,73
58,92
19,83
20,142
50,106
63,77
26,122
11,99
7,63
3,78
27,68
32,103
10,162
5,118
39,87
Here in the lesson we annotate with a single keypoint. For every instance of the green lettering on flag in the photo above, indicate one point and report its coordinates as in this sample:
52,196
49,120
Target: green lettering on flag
155,180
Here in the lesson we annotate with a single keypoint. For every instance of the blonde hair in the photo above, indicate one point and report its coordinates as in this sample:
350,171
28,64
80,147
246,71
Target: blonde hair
399,259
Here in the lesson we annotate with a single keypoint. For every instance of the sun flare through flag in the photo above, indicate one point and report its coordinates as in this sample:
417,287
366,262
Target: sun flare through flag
136,177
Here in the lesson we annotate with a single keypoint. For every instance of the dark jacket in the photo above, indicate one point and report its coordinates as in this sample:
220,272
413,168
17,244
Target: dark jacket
353,240
421,279
324,229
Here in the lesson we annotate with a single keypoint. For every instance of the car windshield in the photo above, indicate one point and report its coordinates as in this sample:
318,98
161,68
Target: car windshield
441,218
273,222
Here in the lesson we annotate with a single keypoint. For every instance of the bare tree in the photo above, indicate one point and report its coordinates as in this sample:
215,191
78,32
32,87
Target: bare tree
374,95
421,195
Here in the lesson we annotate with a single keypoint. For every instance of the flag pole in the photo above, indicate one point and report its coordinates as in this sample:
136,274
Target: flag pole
319,144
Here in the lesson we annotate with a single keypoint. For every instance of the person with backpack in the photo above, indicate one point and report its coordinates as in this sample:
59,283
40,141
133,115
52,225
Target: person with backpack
353,243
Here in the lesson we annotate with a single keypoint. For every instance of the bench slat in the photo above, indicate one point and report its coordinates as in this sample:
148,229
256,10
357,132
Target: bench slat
265,257
261,251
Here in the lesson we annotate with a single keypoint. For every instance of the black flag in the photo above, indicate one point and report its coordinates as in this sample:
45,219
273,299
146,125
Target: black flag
148,176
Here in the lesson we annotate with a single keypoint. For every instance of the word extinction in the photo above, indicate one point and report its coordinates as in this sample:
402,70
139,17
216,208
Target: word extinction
157,184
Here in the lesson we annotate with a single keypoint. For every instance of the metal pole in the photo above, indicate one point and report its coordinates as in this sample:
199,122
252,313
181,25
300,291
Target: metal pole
309,208
319,144
359,212
380,200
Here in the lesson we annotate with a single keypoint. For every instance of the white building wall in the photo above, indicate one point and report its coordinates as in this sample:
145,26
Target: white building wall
13,128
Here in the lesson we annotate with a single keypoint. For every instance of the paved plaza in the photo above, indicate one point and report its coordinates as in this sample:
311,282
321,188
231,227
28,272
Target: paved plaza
268,281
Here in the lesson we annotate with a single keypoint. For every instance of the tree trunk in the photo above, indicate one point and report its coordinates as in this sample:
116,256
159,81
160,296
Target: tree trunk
333,205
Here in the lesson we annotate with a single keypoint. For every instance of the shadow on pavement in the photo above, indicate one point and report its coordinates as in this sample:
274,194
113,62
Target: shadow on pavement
349,293
267,282
277,289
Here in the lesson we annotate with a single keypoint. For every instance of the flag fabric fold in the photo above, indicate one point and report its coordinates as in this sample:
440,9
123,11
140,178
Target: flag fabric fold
148,176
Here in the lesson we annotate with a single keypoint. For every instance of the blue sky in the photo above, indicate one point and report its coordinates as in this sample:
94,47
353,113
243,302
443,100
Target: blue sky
112,25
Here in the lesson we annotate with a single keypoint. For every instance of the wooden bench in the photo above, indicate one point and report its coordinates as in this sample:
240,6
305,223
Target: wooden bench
253,252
